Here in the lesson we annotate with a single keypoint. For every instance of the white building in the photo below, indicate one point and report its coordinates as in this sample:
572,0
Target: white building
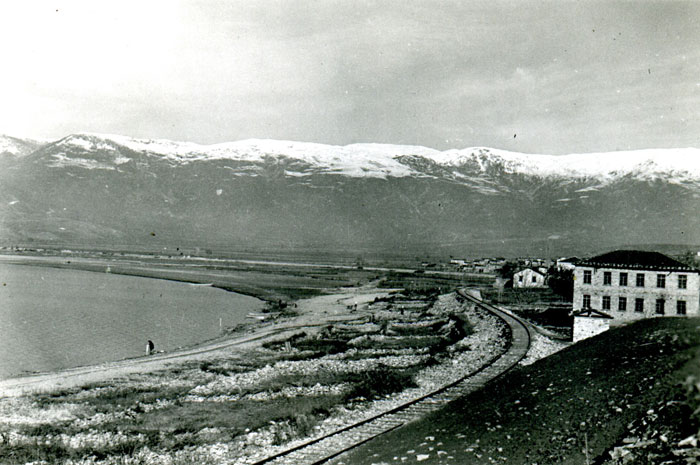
528,278
631,284
588,323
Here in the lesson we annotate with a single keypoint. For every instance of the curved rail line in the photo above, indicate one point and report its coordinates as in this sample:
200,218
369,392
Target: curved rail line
324,448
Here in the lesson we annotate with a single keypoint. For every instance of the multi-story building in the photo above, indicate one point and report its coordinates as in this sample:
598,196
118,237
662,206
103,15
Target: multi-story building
631,284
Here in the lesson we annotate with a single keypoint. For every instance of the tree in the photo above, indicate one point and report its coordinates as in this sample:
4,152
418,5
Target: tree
507,270
562,282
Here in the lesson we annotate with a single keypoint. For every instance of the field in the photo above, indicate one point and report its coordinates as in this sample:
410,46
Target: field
541,307
268,280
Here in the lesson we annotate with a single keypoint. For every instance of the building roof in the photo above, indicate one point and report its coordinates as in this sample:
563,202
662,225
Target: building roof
589,312
531,269
636,259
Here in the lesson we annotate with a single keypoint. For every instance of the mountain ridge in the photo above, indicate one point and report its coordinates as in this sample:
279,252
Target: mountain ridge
16,146
382,160
266,195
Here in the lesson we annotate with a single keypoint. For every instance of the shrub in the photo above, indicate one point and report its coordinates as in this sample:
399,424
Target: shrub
211,368
379,382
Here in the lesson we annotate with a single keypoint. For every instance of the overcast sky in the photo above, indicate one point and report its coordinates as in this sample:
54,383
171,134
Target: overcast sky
531,76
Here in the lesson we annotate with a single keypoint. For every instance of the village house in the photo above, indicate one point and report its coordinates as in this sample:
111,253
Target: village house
480,265
529,278
567,263
630,285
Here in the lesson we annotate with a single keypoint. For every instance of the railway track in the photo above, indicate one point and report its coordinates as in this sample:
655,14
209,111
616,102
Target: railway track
322,449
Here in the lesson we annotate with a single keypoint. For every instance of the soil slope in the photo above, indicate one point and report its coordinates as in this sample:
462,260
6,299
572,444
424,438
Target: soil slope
573,407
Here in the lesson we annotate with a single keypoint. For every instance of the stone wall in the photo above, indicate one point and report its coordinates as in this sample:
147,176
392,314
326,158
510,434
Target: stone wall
586,326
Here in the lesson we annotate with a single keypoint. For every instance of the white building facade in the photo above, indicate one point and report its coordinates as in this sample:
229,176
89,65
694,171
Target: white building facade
631,285
588,323
528,278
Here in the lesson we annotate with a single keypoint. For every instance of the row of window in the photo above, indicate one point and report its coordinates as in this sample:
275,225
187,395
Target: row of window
660,305
639,281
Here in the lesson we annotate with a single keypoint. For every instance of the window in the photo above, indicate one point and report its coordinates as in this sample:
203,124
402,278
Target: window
534,278
682,281
640,279
607,278
639,305
586,276
586,301
660,280
622,304
660,304
606,302
680,307
623,279
520,278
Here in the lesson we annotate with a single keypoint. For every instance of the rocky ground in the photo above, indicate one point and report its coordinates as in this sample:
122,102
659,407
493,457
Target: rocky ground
667,433
246,404
541,346
629,395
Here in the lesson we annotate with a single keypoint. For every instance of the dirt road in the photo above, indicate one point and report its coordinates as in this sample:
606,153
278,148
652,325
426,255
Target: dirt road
316,311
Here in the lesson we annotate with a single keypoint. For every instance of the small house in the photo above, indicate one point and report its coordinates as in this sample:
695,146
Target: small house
528,278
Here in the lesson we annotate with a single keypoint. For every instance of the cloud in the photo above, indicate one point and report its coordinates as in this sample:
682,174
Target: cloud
429,73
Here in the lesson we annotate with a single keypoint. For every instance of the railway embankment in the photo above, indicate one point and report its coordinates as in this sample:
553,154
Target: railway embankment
234,405
629,395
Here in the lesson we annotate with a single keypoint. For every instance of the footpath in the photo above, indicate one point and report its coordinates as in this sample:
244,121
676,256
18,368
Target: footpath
316,311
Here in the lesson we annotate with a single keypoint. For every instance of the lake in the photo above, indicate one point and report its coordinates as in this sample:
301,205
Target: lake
58,318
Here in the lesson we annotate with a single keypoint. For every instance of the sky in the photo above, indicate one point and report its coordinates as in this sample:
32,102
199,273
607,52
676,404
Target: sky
530,76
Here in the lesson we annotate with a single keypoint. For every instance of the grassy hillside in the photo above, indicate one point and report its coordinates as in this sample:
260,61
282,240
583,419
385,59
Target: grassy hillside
573,407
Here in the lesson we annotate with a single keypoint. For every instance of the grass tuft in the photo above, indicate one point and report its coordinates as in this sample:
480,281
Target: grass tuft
379,382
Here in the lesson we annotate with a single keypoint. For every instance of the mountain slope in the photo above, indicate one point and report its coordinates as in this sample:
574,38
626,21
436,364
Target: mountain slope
257,194
16,147
382,160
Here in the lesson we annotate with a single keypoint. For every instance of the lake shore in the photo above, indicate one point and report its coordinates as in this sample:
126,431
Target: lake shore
55,319
249,400
312,312
335,358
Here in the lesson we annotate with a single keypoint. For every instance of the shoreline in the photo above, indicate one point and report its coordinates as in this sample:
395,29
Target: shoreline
228,333
128,268
209,393
258,331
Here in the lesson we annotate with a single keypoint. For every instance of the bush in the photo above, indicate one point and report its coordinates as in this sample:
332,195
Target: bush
379,382
211,368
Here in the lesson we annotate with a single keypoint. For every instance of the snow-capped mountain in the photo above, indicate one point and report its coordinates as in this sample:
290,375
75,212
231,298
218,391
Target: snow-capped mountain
383,160
13,146
106,189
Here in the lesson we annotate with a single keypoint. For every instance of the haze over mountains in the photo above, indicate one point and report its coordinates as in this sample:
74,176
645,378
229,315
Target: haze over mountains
103,190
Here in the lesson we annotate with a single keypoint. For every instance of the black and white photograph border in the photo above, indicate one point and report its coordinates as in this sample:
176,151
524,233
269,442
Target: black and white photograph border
293,232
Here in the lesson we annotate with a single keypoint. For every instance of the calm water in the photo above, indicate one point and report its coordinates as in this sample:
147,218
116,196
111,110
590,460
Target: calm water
58,318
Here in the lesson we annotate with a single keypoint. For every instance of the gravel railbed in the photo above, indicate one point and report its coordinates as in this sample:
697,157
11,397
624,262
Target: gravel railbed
463,357
484,343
